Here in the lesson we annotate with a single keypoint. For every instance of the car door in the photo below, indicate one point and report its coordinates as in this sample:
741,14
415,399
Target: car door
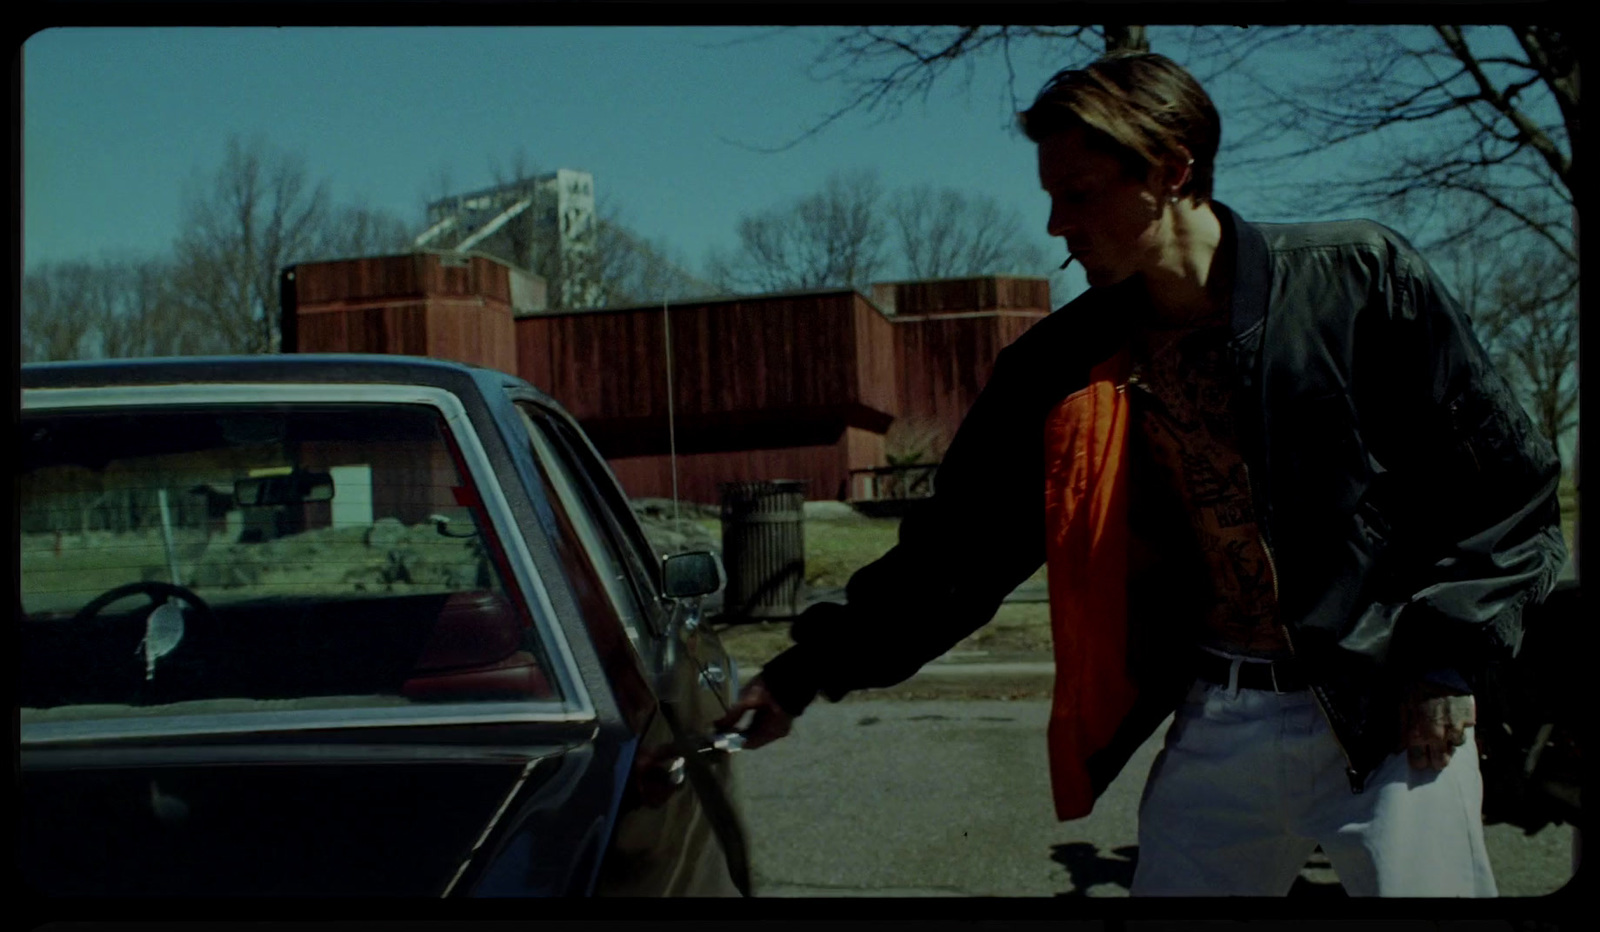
687,818
356,706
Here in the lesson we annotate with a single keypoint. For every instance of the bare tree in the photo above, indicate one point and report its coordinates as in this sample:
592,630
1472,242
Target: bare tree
1500,105
633,270
1523,307
358,231
948,233
1466,134
104,308
151,318
137,310
58,320
1493,176
884,67
259,213
218,291
851,233
127,300
835,238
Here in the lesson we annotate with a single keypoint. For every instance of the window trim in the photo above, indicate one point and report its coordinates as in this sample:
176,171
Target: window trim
633,541
598,526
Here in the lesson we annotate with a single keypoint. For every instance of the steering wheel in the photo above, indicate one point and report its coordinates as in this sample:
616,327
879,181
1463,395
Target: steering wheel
158,592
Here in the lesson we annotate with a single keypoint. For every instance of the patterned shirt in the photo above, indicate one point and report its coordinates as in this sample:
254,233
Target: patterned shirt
1185,410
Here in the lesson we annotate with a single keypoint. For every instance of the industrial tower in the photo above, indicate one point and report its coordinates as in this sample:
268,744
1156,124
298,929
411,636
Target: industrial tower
557,209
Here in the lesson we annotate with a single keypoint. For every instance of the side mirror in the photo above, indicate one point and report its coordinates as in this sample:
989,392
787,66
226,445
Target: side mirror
296,488
691,574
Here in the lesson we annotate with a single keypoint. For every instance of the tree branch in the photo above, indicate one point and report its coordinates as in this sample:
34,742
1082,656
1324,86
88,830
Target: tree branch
1529,131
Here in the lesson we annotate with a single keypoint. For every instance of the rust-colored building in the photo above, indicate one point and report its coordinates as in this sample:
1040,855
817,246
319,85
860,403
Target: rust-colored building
792,386
787,386
947,335
438,304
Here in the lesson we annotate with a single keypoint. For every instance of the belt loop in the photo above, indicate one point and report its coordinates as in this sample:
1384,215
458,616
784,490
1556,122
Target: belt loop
1272,668
1233,677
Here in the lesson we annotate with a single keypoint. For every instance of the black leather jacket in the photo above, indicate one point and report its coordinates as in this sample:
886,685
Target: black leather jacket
1408,503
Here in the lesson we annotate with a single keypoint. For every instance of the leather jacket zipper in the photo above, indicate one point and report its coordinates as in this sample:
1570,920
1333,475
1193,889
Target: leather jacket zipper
1356,782
1235,352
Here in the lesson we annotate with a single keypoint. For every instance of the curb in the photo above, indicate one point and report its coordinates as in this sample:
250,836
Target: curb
982,675
712,604
1028,592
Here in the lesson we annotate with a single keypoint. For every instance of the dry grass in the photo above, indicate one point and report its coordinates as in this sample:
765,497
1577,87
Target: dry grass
835,549
753,644
330,561
1017,628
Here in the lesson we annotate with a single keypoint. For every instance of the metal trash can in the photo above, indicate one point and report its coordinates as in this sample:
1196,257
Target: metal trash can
763,548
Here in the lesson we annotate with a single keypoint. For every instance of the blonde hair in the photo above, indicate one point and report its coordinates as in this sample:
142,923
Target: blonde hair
1138,107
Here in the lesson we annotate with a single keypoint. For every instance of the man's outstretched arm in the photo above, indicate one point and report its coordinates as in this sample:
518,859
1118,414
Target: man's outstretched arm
960,552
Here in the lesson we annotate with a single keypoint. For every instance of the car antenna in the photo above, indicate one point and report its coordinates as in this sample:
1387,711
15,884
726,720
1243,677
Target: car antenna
672,432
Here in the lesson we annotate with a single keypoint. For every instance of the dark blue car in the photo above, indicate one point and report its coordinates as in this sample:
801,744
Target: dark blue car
353,626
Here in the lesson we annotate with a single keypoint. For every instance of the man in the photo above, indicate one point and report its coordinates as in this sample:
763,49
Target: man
1280,492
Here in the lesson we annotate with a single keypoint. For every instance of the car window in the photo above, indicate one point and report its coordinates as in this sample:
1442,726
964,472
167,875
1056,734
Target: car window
314,555
596,536
646,555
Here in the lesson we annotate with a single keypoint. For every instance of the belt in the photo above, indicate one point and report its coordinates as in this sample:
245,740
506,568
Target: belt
1278,677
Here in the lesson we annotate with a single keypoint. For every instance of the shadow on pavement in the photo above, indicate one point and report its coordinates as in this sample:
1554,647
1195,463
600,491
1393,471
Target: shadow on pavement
1088,868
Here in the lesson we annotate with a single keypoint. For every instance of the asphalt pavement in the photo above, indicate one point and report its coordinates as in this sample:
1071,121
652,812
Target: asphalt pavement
940,787
951,797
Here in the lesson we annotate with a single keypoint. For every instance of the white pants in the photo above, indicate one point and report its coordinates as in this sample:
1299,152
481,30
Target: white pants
1249,782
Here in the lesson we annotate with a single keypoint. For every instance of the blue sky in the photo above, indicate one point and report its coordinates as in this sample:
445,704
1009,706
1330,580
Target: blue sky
115,120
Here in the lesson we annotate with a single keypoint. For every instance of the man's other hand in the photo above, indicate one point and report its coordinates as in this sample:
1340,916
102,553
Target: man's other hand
768,721
1433,724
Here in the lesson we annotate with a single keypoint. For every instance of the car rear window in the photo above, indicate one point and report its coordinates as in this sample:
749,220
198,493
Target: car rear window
239,558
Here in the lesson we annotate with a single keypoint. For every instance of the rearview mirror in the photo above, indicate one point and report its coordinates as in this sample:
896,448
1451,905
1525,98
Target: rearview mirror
691,574
296,488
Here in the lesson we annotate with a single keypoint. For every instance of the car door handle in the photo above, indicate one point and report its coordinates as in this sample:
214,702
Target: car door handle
727,742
